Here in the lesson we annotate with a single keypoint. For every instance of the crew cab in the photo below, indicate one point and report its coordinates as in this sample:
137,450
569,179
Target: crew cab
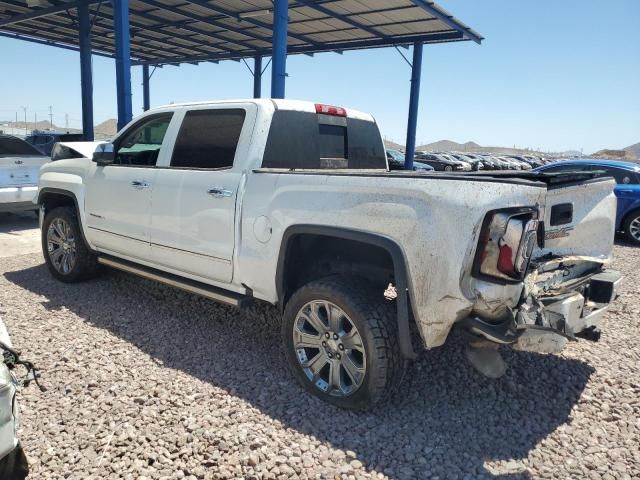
292,203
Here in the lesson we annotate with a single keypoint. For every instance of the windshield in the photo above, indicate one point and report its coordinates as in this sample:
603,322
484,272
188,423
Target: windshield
396,155
16,146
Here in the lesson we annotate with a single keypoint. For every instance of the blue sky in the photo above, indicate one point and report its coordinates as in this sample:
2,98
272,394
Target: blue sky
554,75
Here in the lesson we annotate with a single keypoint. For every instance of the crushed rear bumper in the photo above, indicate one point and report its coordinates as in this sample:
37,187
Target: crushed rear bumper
545,323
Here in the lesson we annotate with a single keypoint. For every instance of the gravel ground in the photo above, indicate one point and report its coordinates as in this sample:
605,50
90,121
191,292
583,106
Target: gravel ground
148,382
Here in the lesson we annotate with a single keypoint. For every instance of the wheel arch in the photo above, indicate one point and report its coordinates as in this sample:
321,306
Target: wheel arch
404,301
50,197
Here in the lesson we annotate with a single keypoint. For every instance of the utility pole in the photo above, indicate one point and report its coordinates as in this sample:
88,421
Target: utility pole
66,120
35,120
25,120
50,117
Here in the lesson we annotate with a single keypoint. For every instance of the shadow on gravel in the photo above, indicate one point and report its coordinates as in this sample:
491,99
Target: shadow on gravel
16,222
447,421
621,241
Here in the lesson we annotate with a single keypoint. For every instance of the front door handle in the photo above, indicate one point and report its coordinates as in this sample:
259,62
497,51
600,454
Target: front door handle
219,192
139,184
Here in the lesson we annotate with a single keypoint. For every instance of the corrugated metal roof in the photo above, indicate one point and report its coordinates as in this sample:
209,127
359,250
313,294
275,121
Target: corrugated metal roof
173,31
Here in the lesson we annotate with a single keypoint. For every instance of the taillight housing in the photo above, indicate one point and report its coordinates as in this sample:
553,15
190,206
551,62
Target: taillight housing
330,110
507,240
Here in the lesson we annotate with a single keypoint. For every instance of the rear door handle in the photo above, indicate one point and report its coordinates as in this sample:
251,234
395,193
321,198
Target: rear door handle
139,184
219,192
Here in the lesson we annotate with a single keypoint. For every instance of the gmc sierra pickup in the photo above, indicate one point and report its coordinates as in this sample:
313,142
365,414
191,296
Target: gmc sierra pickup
292,203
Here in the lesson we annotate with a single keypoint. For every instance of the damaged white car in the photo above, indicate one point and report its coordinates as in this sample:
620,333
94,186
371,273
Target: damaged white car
293,203
13,462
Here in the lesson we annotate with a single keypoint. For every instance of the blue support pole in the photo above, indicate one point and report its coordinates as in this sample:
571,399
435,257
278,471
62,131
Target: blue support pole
86,78
146,95
279,47
257,76
414,96
123,60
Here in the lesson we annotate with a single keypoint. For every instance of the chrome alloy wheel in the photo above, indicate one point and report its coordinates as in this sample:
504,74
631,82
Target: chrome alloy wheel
634,228
61,246
329,348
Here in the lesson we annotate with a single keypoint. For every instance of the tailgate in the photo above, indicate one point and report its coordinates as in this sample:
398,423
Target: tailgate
579,219
20,170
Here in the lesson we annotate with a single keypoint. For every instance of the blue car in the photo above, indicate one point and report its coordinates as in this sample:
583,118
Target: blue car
627,176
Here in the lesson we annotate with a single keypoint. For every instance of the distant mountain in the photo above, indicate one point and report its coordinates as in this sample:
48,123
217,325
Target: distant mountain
628,154
448,145
634,150
393,145
106,129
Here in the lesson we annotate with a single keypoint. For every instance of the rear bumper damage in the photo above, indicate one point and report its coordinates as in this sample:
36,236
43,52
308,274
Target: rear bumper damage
546,318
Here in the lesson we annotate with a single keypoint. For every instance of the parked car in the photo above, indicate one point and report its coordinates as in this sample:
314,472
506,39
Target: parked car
44,141
290,203
476,164
20,164
487,163
627,177
395,159
13,462
441,163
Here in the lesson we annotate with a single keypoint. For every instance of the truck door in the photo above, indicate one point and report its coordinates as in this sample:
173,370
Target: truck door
195,195
118,196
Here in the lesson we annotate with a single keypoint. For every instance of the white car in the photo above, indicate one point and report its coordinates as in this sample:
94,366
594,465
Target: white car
13,463
292,203
20,164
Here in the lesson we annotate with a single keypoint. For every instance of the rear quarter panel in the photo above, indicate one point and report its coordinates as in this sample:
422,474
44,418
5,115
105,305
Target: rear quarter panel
435,222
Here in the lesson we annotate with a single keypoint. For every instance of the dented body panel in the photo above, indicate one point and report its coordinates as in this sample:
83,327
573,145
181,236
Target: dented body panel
435,220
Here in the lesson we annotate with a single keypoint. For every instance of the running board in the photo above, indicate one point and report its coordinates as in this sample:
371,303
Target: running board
191,286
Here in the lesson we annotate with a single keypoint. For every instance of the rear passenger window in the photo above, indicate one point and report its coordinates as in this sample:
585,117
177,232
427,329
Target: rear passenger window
208,139
622,176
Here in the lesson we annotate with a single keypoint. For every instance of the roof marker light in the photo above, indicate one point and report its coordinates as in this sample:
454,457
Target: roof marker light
330,110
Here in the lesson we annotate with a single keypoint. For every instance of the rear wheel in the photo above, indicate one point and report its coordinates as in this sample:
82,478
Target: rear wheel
65,252
340,339
632,227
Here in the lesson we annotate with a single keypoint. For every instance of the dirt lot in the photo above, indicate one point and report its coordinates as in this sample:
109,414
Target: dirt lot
149,382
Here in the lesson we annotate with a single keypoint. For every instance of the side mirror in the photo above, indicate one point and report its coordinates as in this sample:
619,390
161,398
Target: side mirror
103,154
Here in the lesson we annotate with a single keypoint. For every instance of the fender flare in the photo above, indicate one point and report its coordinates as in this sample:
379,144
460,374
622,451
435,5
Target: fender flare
72,196
387,244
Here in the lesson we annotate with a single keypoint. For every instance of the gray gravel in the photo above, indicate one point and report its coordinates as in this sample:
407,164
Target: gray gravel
146,382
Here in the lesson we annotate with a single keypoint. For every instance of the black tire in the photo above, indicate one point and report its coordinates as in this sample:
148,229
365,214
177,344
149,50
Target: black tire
86,263
632,217
448,168
375,320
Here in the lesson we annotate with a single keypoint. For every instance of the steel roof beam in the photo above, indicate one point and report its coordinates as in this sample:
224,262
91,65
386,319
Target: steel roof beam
43,12
198,18
97,40
331,13
50,43
168,40
448,19
251,21
448,36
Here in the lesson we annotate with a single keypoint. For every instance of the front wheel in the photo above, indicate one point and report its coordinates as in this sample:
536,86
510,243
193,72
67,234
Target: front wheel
632,227
448,168
65,252
340,339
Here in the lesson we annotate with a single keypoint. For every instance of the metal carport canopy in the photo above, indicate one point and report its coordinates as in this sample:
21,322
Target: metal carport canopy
162,32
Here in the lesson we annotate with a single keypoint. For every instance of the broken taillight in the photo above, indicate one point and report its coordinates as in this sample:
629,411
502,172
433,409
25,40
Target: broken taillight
506,243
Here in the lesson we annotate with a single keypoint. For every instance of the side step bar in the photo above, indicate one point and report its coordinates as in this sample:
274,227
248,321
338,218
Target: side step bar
191,286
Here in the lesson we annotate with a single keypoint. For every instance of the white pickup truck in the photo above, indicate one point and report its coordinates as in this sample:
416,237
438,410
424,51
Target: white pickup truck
292,203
